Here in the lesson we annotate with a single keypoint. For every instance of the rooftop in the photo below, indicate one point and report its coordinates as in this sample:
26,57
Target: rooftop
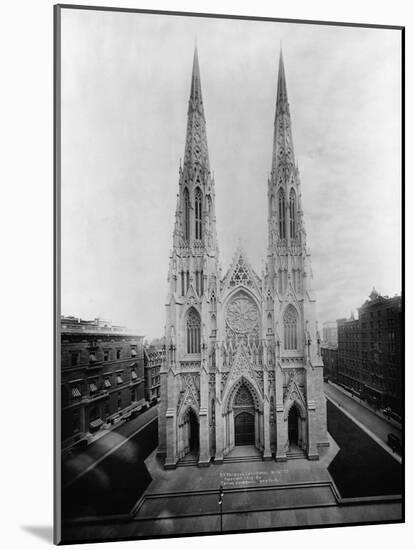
95,326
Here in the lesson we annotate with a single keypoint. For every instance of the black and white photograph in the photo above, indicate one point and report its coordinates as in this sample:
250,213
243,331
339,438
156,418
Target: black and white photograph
229,284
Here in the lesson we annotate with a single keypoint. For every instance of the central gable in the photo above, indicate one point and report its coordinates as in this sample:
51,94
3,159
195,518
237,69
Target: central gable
241,274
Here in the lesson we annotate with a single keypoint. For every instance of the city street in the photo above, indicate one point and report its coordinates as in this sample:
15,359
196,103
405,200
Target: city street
378,426
81,462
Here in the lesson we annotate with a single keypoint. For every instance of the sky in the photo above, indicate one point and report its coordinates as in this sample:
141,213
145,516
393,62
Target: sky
125,90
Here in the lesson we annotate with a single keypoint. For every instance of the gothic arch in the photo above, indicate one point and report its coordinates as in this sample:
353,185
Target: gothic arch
293,213
290,319
186,209
192,330
198,213
184,410
281,213
242,290
295,401
233,390
213,324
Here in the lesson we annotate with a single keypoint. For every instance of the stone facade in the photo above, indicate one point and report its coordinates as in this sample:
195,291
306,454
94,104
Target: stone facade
102,376
243,363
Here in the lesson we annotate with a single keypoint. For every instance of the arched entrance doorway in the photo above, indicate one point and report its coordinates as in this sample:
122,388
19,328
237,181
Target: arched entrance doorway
190,433
294,420
244,417
193,432
245,429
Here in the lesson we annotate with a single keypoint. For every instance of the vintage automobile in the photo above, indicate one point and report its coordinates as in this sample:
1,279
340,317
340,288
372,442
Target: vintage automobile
394,443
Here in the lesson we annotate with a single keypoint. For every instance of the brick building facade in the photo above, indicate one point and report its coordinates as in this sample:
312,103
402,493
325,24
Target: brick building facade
330,333
368,359
102,376
153,360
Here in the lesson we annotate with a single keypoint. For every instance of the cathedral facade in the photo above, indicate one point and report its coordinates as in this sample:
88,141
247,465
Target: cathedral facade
243,366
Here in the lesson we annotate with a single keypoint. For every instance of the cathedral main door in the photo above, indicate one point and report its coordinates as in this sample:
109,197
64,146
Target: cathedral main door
244,417
245,429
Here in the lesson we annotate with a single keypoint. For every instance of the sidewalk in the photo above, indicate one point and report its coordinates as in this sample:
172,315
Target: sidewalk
391,421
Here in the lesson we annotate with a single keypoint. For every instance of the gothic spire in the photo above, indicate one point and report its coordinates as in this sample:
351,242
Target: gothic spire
196,101
283,150
196,149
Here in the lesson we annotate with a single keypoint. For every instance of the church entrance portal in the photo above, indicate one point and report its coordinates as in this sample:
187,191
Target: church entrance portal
244,417
245,429
293,422
193,432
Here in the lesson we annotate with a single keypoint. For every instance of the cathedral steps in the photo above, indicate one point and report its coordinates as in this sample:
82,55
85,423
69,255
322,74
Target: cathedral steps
232,459
188,460
295,455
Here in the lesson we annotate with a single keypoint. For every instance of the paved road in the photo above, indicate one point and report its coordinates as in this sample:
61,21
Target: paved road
381,428
83,461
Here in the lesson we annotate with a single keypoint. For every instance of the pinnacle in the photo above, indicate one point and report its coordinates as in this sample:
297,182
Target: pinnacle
282,97
196,88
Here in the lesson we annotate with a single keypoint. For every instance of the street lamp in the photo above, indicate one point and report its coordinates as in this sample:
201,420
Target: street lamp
220,500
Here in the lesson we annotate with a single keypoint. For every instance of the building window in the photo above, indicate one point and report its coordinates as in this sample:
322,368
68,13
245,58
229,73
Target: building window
75,422
93,388
133,374
133,351
107,382
213,324
199,282
185,280
212,412
75,392
193,332
133,395
119,378
75,358
281,213
106,354
119,401
186,214
290,328
293,208
198,213
118,354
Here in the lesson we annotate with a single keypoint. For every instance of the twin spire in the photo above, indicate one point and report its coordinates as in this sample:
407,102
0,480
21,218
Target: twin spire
196,150
196,101
283,148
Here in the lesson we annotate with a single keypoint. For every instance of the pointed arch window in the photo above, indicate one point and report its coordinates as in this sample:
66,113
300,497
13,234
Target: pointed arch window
290,328
198,213
213,324
269,323
186,214
281,213
293,209
193,332
212,412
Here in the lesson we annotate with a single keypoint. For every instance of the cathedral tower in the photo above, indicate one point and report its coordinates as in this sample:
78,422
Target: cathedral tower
288,280
192,278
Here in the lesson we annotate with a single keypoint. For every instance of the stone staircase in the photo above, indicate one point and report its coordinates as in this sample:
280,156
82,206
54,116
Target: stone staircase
190,459
295,453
